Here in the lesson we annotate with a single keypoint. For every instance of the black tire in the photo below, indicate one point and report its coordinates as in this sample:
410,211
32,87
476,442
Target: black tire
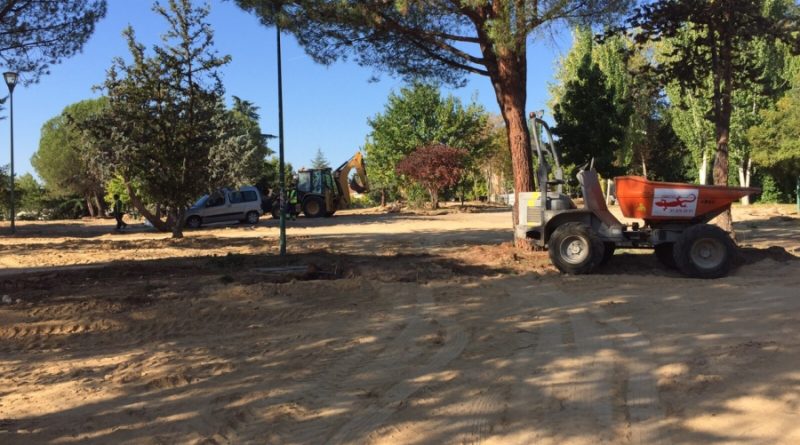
329,214
252,217
276,211
575,249
608,252
314,207
194,222
664,253
704,251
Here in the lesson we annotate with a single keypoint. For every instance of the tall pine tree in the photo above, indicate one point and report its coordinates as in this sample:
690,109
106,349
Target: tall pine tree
588,124
166,129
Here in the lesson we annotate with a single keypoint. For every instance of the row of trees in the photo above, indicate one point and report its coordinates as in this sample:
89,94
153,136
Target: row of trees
611,103
447,40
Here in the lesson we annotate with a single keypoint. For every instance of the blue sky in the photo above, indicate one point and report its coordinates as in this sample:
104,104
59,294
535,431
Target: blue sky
324,107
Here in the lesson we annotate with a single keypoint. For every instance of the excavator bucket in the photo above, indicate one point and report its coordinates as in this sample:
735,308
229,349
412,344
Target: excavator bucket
356,185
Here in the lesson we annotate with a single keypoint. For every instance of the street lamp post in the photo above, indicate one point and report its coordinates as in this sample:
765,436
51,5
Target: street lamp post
281,173
11,80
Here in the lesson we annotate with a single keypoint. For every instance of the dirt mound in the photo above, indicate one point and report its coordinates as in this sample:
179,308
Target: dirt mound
750,255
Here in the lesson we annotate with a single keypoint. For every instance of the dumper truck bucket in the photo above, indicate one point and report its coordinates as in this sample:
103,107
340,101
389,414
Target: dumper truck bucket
673,201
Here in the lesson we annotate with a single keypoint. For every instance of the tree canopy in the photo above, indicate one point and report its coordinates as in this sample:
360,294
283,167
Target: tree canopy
776,140
64,159
320,161
37,34
588,122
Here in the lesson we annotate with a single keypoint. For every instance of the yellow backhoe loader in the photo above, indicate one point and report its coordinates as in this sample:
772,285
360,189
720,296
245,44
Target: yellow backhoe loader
321,192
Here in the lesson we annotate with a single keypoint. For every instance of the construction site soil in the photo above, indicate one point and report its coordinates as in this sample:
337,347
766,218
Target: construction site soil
390,328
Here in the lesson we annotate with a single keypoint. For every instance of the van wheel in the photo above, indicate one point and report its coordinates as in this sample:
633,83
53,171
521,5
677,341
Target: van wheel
194,222
575,249
252,218
313,207
704,251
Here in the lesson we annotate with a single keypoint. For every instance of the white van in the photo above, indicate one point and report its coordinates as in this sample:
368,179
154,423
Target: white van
243,205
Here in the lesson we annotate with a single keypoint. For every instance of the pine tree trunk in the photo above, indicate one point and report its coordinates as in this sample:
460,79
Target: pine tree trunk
383,197
434,198
723,91
508,79
101,204
90,206
160,225
507,69
176,220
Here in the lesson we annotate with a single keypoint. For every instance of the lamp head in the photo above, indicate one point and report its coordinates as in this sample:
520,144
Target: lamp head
11,79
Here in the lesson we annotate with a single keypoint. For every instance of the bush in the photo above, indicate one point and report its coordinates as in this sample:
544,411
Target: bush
362,201
417,196
770,192
73,208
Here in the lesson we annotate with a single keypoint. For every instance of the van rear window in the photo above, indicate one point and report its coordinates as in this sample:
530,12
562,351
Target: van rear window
249,196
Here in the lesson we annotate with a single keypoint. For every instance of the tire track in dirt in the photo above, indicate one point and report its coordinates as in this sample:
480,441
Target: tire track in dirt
571,382
525,393
334,379
489,411
75,328
370,418
517,403
483,400
637,402
366,372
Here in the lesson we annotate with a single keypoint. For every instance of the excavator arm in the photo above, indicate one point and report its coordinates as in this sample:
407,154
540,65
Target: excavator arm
359,183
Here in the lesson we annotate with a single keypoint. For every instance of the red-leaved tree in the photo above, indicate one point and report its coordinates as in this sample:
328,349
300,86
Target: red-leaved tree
434,167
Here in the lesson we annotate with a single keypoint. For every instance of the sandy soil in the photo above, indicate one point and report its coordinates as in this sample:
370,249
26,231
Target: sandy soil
389,329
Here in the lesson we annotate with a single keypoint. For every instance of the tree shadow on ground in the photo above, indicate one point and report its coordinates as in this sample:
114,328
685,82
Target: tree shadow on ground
325,347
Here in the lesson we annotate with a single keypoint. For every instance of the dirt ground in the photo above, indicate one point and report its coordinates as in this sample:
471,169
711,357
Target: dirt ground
390,329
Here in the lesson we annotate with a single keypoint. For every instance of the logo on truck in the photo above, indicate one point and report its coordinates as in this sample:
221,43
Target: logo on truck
675,202
679,201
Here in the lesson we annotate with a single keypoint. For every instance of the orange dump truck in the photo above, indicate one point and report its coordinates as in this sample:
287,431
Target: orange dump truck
579,240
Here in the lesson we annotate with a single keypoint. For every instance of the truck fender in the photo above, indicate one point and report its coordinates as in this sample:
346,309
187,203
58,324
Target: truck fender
565,217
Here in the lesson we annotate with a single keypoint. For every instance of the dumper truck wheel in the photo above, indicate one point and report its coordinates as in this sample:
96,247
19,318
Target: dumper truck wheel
664,253
575,249
704,251
608,252
314,207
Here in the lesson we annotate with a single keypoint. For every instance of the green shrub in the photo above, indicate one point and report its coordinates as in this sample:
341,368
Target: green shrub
770,192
